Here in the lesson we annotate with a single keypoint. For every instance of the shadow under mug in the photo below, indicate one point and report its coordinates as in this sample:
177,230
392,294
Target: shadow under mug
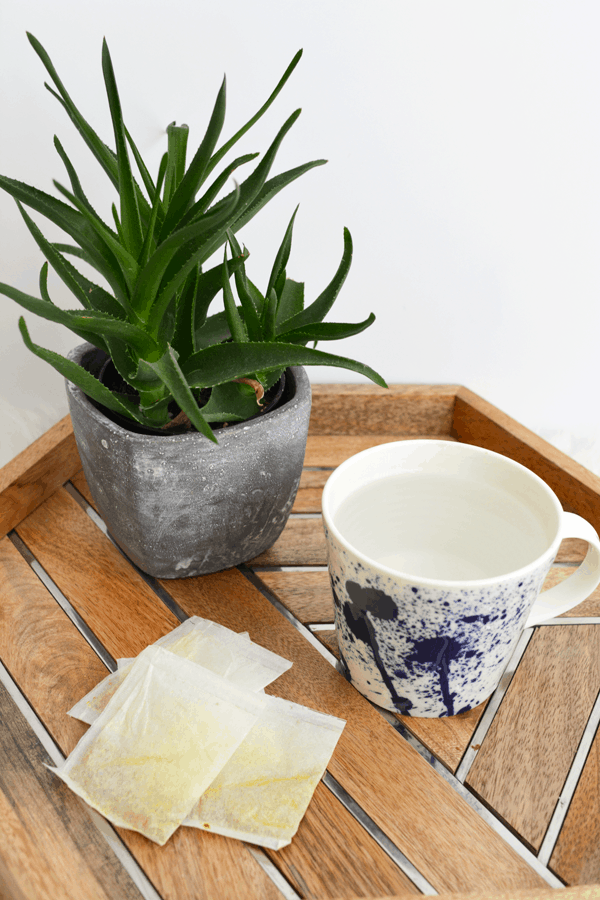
437,553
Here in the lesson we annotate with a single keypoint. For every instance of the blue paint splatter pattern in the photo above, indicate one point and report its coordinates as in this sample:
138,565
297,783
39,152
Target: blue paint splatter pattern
421,651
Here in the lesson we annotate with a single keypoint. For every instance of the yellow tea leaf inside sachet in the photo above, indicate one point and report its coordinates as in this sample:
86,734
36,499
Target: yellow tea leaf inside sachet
164,736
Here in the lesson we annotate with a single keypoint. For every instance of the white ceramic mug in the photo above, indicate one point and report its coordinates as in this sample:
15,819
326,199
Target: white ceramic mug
437,553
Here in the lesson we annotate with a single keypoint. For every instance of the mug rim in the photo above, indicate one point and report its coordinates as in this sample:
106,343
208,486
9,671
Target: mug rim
449,583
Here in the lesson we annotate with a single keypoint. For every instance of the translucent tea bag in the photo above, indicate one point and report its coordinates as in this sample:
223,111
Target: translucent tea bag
89,707
212,646
164,736
264,790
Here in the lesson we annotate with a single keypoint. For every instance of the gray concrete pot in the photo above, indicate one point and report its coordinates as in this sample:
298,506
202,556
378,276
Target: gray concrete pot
179,505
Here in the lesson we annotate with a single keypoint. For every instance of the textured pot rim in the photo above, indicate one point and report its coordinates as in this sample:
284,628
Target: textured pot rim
302,394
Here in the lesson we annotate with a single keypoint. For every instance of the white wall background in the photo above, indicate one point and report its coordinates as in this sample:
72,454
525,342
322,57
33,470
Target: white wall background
464,146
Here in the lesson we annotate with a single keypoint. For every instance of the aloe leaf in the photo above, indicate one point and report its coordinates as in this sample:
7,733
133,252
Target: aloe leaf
224,213
183,339
223,362
73,177
234,320
98,341
105,156
169,265
90,295
128,263
130,214
202,204
149,240
90,322
269,190
270,315
214,331
74,224
317,310
230,402
325,331
73,250
59,263
208,286
291,301
186,191
218,156
102,153
283,254
78,375
177,136
251,298
168,370
209,235
146,176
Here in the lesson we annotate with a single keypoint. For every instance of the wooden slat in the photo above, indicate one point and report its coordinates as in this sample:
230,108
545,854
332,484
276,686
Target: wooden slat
367,409
301,543
49,846
588,892
478,422
34,475
356,866
306,594
193,865
331,450
438,831
87,567
576,857
446,738
530,746
41,648
308,498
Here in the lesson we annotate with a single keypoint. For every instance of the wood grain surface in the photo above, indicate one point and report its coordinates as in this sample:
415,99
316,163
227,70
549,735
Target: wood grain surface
49,848
308,498
330,450
478,422
438,831
306,594
576,857
367,409
301,543
95,576
587,892
34,475
32,622
357,865
527,753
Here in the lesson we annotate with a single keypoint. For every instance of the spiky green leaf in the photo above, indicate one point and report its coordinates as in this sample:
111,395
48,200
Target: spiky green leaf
88,384
325,331
317,310
217,364
168,370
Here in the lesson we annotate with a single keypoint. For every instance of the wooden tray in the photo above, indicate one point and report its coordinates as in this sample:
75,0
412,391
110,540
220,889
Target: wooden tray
496,802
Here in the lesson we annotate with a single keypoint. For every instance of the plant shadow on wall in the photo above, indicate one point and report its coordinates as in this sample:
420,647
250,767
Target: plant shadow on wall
158,363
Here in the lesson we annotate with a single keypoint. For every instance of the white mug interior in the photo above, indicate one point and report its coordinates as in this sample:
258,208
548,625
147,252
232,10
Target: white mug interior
442,511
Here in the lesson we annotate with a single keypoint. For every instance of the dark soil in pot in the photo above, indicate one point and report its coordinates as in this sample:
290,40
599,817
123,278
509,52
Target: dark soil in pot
99,364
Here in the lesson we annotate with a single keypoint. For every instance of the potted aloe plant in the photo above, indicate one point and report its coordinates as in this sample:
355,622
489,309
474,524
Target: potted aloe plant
158,375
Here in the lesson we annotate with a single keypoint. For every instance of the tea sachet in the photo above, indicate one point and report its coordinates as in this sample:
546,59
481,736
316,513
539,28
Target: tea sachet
262,793
207,643
162,739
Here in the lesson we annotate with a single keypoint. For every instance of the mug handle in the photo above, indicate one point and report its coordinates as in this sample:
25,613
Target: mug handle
577,587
